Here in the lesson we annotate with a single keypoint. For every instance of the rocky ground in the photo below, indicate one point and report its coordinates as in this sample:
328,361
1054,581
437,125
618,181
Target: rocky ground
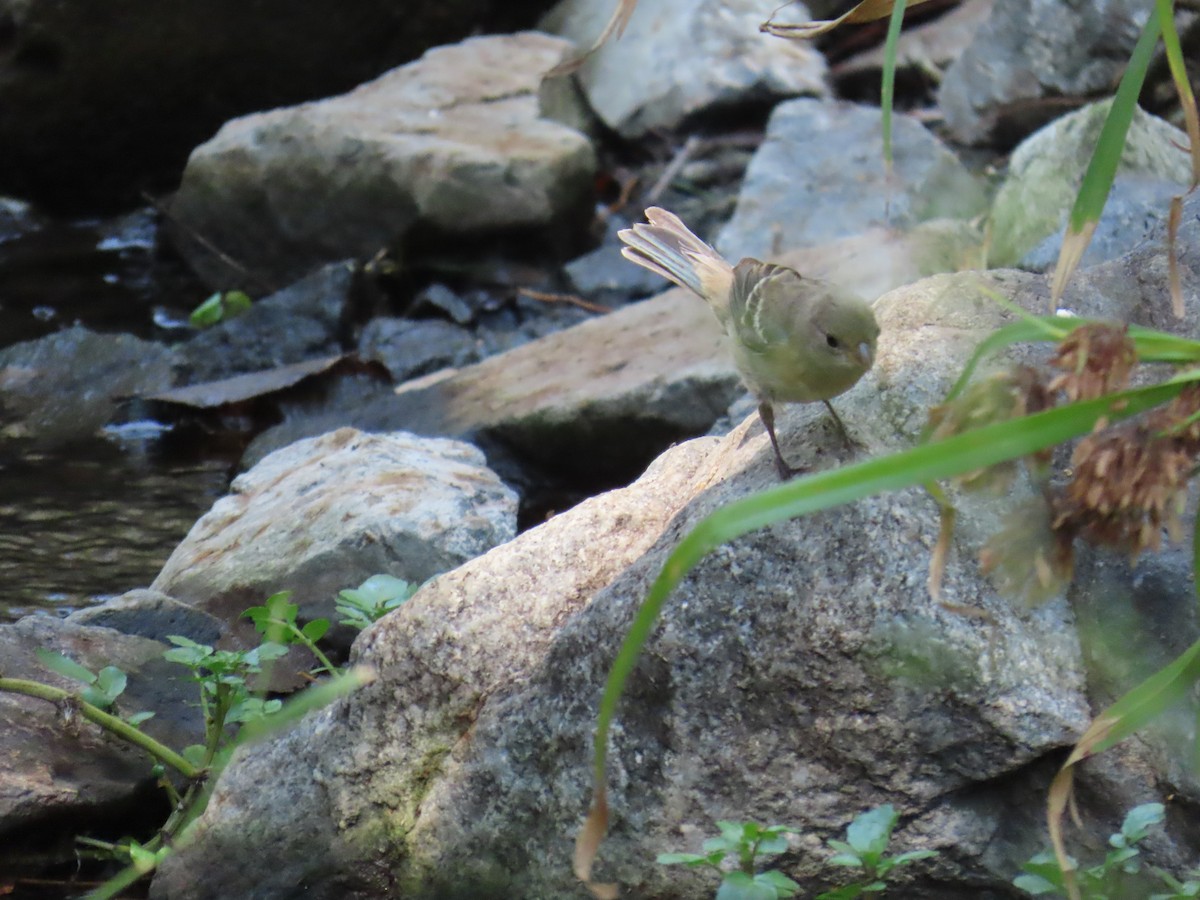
450,375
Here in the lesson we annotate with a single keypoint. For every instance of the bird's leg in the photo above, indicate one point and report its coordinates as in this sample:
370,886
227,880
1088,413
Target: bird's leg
838,421
851,444
767,414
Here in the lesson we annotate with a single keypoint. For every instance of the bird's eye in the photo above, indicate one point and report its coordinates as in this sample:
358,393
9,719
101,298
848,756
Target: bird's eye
832,341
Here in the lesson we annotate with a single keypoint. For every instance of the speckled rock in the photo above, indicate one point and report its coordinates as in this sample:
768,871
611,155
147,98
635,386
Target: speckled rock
325,513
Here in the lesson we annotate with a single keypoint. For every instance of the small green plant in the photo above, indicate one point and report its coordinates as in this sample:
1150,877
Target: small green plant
225,695
746,843
276,621
372,600
221,306
1119,875
865,848
101,688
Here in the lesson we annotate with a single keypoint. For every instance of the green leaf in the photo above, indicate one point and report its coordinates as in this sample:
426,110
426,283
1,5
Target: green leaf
778,882
316,629
740,886
207,313
139,718
1139,820
771,845
65,666
869,833
194,753
111,681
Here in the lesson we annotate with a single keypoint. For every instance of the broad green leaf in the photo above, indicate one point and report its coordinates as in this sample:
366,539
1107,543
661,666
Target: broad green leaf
740,886
1102,168
1139,820
777,881
207,313
869,833
315,630
111,681
65,666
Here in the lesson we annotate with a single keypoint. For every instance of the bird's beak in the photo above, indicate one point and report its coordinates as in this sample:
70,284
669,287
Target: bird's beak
866,354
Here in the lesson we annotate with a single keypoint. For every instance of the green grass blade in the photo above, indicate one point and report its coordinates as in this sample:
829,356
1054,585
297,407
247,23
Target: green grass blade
1102,169
967,452
1179,74
1170,684
887,88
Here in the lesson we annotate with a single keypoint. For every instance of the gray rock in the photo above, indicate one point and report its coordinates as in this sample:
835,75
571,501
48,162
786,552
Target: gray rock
928,47
67,385
447,146
1137,208
679,58
53,770
151,614
90,112
799,674
413,347
594,399
1046,170
1028,56
326,513
299,323
819,175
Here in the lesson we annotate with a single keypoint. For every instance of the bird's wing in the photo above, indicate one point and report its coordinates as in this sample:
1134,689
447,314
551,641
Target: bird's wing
758,303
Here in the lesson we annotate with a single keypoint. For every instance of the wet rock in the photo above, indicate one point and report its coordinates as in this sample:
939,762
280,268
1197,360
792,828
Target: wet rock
55,770
151,614
1030,55
449,146
680,58
1047,168
819,175
68,385
326,513
95,114
413,347
304,321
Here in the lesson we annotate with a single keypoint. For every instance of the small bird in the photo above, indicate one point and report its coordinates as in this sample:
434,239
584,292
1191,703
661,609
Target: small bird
795,339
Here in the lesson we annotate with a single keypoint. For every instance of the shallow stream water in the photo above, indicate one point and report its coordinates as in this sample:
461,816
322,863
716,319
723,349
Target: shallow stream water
83,522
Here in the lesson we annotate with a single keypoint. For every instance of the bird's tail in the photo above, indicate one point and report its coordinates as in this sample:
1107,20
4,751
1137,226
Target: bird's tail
667,248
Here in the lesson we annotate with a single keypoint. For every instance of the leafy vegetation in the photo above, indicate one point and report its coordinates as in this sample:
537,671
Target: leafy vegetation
1119,875
231,689
746,845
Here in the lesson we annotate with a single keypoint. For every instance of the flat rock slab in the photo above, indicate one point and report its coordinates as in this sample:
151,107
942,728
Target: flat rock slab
452,144
606,394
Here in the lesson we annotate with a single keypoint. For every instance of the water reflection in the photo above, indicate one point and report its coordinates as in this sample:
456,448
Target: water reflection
83,523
